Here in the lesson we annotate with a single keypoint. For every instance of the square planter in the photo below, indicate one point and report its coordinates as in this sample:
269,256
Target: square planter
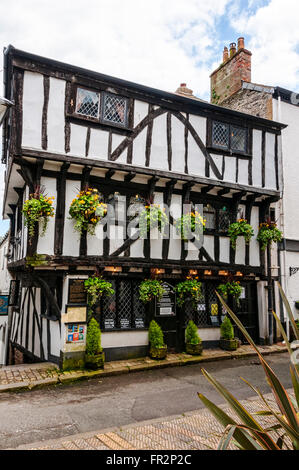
158,353
194,349
95,362
229,344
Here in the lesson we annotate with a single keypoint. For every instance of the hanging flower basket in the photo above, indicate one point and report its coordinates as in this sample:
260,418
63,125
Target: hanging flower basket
97,287
150,289
152,216
190,224
268,233
38,208
87,211
188,289
240,229
232,288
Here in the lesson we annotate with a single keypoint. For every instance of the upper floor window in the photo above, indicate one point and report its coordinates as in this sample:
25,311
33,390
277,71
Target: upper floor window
87,103
115,109
101,107
229,137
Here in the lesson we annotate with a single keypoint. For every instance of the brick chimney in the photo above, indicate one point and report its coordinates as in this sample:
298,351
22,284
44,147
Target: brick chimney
235,68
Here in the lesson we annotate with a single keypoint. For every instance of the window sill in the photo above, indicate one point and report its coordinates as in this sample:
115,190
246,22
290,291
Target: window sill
97,123
229,153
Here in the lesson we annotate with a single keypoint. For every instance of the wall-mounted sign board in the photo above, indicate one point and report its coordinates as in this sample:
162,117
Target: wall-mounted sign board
77,292
167,305
75,314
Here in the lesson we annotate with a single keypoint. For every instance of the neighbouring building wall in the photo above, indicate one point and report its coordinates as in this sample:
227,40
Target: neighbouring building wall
252,102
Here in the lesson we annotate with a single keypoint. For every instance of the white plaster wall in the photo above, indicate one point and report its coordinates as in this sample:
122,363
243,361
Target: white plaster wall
98,144
257,158
224,249
120,339
45,244
254,247
56,115
159,155
33,101
78,140
139,148
3,339
243,171
196,159
71,239
270,176
230,169
178,145
208,243
95,243
5,277
140,111
174,251
218,159
240,250
262,309
209,334
292,259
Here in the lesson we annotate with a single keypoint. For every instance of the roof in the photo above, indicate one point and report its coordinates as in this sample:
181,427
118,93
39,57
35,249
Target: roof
192,105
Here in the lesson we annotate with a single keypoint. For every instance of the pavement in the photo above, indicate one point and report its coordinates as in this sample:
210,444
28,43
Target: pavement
29,376
197,430
64,411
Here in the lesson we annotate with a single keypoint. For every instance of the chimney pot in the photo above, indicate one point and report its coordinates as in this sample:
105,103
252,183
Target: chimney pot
232,49
183,85
241,44
225,54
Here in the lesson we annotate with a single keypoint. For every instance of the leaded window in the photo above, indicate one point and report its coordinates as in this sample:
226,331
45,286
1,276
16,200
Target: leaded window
87,103
229,137
124,310
115,109
209,214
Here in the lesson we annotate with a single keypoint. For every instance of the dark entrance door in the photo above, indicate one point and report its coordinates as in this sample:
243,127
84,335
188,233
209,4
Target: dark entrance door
247,312
166,316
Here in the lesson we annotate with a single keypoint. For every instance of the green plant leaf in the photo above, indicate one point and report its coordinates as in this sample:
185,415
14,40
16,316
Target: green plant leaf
279,391
245,441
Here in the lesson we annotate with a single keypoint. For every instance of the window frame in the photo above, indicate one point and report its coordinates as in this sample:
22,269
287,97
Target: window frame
100,121
229,150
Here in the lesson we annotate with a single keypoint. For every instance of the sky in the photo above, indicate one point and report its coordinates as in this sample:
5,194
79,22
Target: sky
159,43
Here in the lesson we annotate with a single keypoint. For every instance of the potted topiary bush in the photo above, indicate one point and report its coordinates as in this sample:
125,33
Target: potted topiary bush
94,356
158,349
227,337
193,341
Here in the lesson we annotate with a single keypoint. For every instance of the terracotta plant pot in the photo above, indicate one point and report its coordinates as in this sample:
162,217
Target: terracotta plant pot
158,353
229,344
194,349
95,361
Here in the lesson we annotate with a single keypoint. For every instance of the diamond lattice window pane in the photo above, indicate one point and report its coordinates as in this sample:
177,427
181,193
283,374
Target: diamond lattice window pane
220,134
109,309
87,103
238,138
115,109
224,219
124,305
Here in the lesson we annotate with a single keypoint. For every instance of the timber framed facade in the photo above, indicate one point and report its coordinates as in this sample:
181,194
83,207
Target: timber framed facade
128,140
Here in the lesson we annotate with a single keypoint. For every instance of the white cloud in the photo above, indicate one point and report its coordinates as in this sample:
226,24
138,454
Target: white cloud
274,42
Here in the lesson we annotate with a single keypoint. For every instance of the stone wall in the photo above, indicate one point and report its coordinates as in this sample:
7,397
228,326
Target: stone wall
252,102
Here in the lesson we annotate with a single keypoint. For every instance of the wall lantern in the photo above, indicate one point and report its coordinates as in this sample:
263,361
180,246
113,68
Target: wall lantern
208,272
223,273
113,269
193,272
157,271
239,274
4,107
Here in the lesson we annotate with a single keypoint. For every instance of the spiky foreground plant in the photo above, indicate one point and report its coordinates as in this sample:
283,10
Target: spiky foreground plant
250,434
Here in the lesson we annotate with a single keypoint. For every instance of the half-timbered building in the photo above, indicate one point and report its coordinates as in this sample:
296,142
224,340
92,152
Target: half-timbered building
71,127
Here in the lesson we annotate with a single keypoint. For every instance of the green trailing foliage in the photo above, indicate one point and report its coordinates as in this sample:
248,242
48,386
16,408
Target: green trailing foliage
93,338
268,233
191,333
38,208
188,289
155,335
150,289
190,224
240,229
232,288
248,433
97,287
226,329
151,217
87,210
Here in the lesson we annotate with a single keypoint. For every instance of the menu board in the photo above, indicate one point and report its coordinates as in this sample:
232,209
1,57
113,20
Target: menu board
77,292
109,323
139,323
166,306
124,323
